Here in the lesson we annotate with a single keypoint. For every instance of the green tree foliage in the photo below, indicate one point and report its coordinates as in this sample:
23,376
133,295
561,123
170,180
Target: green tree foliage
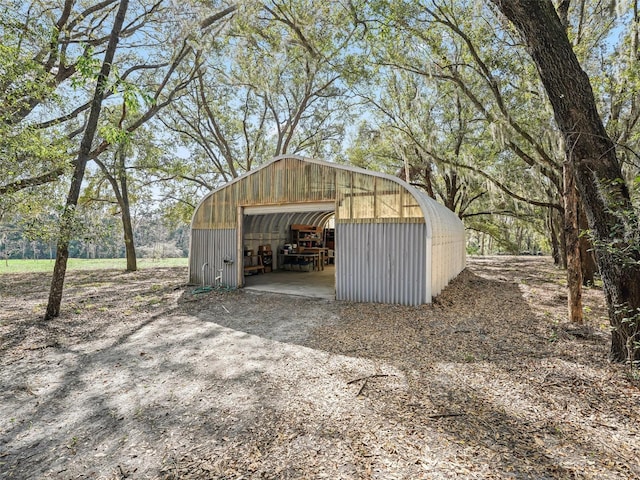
464,109
26,152
273,84
51,55
597,171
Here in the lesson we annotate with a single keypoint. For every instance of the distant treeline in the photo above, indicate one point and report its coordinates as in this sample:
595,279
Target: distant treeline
104,239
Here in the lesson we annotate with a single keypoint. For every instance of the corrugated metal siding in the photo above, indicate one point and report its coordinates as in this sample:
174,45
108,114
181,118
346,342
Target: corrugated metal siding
448,244
212,247
449,259
382,263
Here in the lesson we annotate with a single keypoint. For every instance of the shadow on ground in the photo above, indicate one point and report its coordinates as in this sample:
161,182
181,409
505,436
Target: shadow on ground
142,378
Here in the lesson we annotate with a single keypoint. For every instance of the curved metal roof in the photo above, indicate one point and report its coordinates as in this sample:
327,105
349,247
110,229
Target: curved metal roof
437,217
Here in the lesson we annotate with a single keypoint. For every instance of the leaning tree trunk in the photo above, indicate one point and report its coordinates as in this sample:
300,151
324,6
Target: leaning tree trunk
123,200
118,181
597,171
130,249
68,216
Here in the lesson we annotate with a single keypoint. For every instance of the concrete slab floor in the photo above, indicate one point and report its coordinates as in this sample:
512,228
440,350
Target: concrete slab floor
314,284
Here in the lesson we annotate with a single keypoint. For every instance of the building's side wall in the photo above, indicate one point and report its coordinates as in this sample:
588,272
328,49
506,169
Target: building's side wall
448,260
382,263
448,244
212,247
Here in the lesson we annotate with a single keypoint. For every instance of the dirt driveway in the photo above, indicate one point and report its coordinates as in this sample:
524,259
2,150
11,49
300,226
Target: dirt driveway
140,378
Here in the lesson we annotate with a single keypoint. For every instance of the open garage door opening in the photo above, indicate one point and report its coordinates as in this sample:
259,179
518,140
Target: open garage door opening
290,249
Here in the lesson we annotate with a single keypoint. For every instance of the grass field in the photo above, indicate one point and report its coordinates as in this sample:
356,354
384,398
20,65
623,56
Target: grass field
23,266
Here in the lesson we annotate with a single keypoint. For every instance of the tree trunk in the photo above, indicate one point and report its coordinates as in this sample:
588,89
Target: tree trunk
118,181
123,199
572,244
555,245
68,216
597,171
563,244
130,248
589,266
519,239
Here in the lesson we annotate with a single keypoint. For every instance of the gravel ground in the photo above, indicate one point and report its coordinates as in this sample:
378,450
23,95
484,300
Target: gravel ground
139,378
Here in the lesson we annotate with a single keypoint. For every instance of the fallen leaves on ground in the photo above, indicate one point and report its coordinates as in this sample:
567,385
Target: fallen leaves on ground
140,378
